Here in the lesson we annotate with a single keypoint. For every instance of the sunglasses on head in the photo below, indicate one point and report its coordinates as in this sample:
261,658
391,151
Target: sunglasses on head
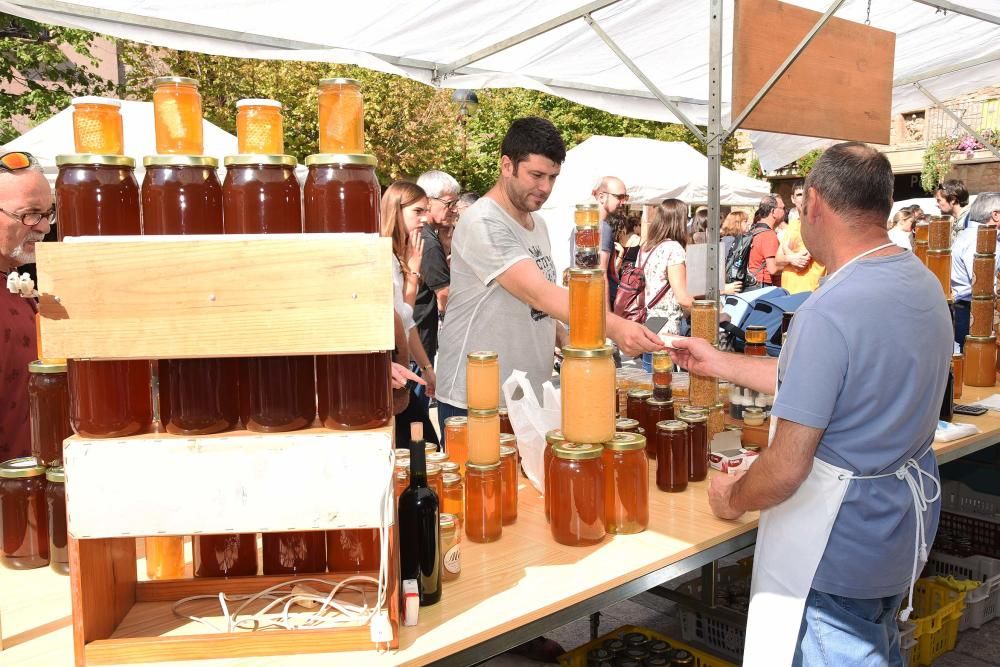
16,160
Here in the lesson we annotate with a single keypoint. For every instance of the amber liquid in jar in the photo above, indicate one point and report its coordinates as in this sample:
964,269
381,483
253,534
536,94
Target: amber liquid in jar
587,308
23,521
402,480
586,215
177,116
508,484
482,381
980,361
983,272
672,456
97,126
354,390
552,438
483,502
294,553
697,441
434,481
921,232
341,116
705,320
577,494
587,386
505,425
453,500
986,239
626,484
456,440
587,240
97,195
225,555
48,411
920,250
982,312
259,127
353,550
656,411
483,436
939,262
939,233
635,404
958,371
55,504
164,557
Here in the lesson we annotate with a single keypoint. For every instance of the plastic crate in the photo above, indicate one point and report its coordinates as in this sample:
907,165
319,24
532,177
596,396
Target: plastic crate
976,568
714,631
907,643
938,612
578,656
957,497
983,533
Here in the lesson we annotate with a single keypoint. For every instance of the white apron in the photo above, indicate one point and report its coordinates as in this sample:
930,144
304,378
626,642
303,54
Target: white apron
792,538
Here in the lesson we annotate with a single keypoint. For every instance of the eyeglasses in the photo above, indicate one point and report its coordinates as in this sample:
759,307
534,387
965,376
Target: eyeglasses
797,194
16,161
31,218
450,204
622,197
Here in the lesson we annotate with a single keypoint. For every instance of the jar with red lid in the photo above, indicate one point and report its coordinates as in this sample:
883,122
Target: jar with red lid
626,484
577,508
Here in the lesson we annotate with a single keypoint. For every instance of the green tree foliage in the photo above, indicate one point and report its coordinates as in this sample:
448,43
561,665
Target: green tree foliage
37,76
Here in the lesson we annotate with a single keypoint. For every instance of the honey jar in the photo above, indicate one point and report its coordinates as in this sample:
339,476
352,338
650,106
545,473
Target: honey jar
577,508
97,126
482,381
655,411
587,308
662,365
505,425
259,127
986,239
552,438
294,553
453,501
705,320
341,116
434,481
939,262
697,444
984,268
586,215
635,402
626,426
225,555
587,385
939,232
587,246
451,546
177,116
982,312
672,449
958,373
920,250
703,391
508,483
353,550
484,436
626,484
164,557
483,502
456,439
756,342
921,232
980,361
23,519
48,410
55,504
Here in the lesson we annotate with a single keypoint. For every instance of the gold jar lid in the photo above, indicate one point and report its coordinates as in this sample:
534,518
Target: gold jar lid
180,161
436,457
184,80
25,466
691,410
339,81
640,393
980,339
586,273
586,207
756,335
940,218
451,479
325,159
482,467
257,102
692,418
603,352
430,448
704,303
94,158
508,439
984,255
254,159
578,451
47,366
659,402
457,420
661,356
484,414
626,424
56,474
449,467
403,464
671,425
507,450
555,436
483,355
624,442
433,469
503,411
984,298
754,411
402,453
957,355
447,521
752,448
939,253
733,427
402,473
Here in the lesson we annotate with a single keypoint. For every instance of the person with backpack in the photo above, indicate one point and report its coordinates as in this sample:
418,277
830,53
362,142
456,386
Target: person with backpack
753,259
662,260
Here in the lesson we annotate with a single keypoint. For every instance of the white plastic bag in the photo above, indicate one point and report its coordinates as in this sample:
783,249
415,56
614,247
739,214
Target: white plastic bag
531,421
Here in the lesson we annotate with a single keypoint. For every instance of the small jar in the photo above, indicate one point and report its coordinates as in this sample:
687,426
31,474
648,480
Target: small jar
753,416
453,501
662,367
55,504
920,250
756,342
980,361
680,387
429,448
626,484
586,215
939,232
588,307
705,320
577,494
921,232
450,467
983,271
456,439
435,457
402,454
505,425
697,442
587,241
97,126
23,521
451,547
626,426
939,262
434,481
672,456
341,116
508,483
587,385
982,312
177,116
509,440
48,410
958,372
259,127
635,403
482,381
483,502
656,411
164,557
552,438
484,437
986,239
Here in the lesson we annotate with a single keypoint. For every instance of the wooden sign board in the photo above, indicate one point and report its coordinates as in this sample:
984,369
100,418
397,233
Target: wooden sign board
215,296
840,86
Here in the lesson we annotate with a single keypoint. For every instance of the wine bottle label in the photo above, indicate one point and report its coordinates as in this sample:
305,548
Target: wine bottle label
453,559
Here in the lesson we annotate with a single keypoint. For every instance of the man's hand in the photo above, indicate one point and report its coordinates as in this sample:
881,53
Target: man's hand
799,260
719,492
632,338
696,355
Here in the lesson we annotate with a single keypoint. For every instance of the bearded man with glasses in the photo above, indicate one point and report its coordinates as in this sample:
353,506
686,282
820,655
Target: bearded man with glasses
27,211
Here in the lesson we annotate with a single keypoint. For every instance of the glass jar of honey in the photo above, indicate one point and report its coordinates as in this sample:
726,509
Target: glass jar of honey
939,232
509,440
626,484
756,342
294,553
705,320
341,116
48,410
577,508
508,483
483,502
453,501
982,313
662,366
456,439
97,195
353,550
225,555
177,116
716,421
986,239
587,385
23,521
482,380
505,425
587,241
483,436
97,126
450,467
451,546
980,361
635,404
753,416
588,307
55,504
921,232
626,426
259,127
341,194
984,268
672,456
552,438
586,215
920,250
354,391
401,478
164,557
656,411
958,372
434,481
437,458
697,442
939,262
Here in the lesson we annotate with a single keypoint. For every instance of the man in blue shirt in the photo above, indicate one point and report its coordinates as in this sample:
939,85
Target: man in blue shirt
984,211
853,401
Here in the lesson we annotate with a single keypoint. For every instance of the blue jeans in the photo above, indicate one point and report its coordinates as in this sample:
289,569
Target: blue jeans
838,631
445,411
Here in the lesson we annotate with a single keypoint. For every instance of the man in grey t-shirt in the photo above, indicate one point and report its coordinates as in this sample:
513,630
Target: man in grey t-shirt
849,398
503,294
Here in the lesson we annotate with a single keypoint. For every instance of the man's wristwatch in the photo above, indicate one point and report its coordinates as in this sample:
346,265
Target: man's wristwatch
427,367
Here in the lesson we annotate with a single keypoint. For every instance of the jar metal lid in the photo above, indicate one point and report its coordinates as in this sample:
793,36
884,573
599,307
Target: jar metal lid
94,99
555,436
95,158
503,411
402,453
25,466
659,402
939,253
402,473
47,366
339,81
507,450
436,458
984,255
447,521
507,439
482,467
586,207
56,474
483,355
691,410
433,469
457,420
733,427
403,464
981,339
180,161
940,218
624,442
259,159
449,467
160,80
754,411
704,303
626,424
484,413
692,418
258,102
577,451
660,354
324,159
984,298
639,393
586,273
450,478
957,355
671,425
602,352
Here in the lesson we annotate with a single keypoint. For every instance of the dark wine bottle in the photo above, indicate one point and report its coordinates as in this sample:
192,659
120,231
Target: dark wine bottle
419,528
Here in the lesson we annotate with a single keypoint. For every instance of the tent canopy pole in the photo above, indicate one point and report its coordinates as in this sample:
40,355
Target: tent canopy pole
990,147
959,9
